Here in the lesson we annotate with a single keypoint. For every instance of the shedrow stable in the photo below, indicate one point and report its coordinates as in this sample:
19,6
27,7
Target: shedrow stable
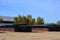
7,24
28,28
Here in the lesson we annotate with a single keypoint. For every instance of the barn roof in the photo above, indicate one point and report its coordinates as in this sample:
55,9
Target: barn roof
6,18
6,24
28,25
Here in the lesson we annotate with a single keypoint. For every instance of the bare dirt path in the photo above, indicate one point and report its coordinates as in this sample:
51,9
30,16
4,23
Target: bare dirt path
30,36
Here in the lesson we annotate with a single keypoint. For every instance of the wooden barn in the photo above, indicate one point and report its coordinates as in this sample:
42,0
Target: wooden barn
28,28
4,27
37,28
7,24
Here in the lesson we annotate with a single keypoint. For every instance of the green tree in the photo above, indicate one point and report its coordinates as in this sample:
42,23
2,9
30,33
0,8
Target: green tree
15,20
19,19
40,20
24,20
28,20
58,22
29,17
33,21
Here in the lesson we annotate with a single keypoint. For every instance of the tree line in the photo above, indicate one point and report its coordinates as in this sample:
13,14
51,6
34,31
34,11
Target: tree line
28,20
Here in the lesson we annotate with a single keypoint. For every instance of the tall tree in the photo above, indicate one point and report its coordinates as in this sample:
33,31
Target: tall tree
29,17
15,20
19,18
28,20
40,20
24,20
33,21
58,22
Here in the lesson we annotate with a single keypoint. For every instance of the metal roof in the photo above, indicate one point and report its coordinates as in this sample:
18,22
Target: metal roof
37,25
27,25
5,24
6,18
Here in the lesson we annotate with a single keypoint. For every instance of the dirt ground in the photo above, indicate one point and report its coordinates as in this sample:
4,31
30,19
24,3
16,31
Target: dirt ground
30,36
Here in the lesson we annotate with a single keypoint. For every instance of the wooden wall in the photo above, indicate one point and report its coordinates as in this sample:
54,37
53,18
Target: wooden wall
7,29
39,29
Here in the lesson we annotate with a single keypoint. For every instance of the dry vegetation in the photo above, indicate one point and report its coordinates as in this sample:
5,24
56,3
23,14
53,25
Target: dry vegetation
30,36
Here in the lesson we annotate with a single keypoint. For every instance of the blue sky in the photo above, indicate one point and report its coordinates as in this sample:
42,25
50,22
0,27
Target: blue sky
47,9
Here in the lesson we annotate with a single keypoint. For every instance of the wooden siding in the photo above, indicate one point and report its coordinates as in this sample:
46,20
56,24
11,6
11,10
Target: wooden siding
7,29
39,29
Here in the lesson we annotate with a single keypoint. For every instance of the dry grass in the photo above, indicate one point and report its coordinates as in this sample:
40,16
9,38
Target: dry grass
30,36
